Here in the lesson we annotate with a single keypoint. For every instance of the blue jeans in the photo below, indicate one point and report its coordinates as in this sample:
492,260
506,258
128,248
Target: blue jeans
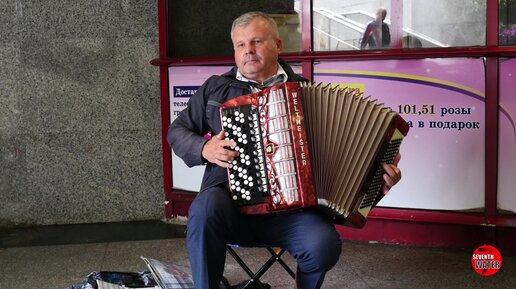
214,221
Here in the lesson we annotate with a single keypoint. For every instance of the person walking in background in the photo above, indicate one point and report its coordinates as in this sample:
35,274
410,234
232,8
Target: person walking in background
377,34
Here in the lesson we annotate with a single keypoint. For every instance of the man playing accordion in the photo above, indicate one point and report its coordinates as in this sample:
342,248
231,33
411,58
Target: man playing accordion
214,220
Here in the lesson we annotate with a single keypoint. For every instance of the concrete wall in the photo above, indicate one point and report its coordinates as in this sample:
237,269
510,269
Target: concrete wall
80,138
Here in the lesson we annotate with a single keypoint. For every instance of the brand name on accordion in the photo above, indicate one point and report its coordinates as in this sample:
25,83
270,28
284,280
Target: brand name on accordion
298,121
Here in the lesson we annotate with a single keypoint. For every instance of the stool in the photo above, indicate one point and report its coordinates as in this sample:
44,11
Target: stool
254,281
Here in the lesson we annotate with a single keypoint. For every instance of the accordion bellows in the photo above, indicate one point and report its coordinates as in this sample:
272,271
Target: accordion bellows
310,145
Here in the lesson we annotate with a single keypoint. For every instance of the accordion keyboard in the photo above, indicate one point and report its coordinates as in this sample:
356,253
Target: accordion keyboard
247,173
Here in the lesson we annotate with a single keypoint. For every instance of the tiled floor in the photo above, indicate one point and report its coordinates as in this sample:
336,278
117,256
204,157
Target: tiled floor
57,257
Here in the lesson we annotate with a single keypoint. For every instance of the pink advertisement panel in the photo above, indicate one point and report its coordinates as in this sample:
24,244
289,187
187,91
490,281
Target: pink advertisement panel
444,102
507,137
443,99
183,82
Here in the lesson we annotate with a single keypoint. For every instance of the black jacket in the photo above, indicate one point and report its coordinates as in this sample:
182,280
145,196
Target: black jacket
201,116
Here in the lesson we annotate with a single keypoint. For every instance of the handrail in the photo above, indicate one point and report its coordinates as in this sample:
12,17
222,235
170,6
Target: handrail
357,26
336,38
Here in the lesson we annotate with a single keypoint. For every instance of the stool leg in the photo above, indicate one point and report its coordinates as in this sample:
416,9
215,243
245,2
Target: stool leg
281,262
254,276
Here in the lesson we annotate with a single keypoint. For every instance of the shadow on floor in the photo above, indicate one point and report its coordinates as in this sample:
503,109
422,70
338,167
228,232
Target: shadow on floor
90,233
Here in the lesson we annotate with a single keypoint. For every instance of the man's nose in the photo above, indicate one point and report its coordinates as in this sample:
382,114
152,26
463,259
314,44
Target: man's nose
249,49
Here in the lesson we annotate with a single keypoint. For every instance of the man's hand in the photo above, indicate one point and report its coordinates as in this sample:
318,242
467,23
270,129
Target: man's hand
392,174
215,150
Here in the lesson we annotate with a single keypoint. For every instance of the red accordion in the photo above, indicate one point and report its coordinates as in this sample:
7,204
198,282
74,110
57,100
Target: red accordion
304,145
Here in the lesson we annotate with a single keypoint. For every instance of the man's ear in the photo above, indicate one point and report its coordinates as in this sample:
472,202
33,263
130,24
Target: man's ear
279,45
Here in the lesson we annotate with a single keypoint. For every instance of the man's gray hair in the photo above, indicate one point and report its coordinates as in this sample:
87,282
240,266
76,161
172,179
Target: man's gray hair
244,19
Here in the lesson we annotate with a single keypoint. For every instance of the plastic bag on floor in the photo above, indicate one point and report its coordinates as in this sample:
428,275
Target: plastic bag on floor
127,279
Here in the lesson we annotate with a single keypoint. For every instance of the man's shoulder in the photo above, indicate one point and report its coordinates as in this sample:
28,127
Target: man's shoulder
372,22
226,77
222,86
216,81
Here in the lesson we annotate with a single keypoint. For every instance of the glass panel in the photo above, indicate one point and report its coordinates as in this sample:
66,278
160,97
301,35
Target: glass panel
442,157
507,136
507,19
444,23
340,25
347,25
199,28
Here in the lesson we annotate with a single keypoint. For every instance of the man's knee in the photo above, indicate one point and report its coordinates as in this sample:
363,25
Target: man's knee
322,252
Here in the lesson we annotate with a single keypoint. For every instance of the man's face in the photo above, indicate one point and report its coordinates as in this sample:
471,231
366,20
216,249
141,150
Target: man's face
379,15
256,50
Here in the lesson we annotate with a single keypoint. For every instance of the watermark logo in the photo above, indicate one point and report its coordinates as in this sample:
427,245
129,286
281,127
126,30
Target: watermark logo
486,260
